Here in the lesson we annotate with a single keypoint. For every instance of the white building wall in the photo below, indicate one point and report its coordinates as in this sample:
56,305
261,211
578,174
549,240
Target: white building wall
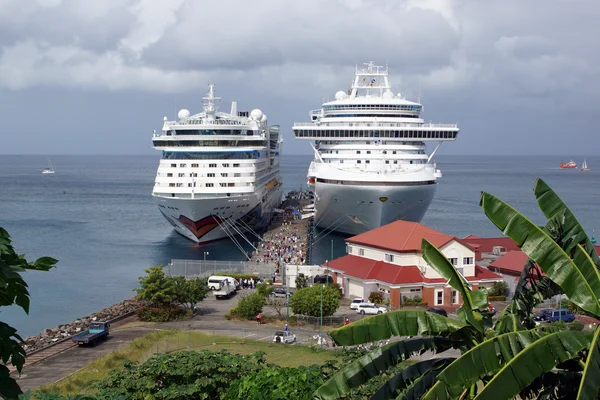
291,271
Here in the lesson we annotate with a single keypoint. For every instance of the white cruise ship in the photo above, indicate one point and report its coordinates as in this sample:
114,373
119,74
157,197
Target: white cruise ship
370,165
219,173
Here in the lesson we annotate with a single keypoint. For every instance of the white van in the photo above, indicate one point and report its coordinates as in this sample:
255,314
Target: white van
216,281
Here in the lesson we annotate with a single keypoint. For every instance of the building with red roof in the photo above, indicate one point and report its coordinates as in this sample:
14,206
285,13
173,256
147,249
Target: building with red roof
388,259
511,263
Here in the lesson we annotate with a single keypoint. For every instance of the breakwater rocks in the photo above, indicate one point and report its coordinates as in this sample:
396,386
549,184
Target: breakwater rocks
50,336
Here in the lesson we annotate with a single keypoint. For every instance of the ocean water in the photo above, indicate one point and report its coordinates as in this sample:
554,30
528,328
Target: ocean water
97,217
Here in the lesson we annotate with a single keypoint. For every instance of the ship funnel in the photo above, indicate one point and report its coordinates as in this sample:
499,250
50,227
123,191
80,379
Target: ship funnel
233,108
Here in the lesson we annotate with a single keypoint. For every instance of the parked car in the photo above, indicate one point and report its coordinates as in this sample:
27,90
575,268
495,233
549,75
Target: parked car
439,311
284,337
355,303
369,308
561,315
281,292
542,315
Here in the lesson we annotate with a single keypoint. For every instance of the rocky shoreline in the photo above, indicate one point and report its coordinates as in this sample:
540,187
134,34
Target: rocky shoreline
53,335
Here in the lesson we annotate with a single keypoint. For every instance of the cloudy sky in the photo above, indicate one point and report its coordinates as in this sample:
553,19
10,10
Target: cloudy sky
96,77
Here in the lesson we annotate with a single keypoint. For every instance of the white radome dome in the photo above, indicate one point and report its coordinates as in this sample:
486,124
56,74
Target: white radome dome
263,119
256,114
341,95
183,114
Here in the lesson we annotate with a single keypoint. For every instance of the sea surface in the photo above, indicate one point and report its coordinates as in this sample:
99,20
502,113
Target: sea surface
97,217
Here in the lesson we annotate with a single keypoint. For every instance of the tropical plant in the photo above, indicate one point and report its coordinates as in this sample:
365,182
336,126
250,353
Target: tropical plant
547,360
310,300
188,292
13,291
156,287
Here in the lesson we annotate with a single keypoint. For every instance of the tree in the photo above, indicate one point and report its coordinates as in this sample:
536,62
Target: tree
376,297
13,291
249,306
156,287
188,292
264,290
307,301
301,281
499,289
278,304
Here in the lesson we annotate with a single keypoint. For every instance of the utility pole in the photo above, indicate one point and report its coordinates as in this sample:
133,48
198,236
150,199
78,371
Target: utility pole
287,301
331,249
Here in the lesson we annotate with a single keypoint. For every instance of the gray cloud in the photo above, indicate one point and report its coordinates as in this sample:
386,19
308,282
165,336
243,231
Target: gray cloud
471,60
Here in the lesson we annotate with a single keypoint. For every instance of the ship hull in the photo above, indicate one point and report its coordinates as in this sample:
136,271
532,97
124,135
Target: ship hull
208,219
354,209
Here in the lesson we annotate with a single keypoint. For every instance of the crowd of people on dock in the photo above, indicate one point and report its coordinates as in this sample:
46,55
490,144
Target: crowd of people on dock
286,246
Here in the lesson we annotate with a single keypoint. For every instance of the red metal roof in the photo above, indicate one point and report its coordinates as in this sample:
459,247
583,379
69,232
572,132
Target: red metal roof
366,269
486,245
511,263
402,237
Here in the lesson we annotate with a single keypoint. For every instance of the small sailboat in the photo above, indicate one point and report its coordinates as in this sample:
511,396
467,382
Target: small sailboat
49,169
584,166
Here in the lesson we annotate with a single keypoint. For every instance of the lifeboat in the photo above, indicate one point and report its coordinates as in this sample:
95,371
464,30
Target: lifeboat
311,180
570,165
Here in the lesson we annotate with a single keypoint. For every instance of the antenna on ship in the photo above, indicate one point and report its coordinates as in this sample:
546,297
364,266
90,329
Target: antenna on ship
210,102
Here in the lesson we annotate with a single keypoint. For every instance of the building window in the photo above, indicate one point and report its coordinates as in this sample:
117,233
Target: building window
467,260
210,175
212,165
194,165
358,161
439,297
182,165
389,257
361,252
226,165
454,261
357,151
349,249
169,175
368,161
387,161
454,297
209,185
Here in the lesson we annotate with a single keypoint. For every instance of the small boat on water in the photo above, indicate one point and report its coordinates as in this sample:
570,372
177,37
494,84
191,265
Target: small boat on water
49,169
570,165
584,166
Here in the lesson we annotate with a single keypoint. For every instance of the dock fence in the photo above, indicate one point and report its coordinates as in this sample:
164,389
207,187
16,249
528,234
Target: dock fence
203,269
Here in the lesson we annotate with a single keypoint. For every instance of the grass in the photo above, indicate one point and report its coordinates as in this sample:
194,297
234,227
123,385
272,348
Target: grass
167,341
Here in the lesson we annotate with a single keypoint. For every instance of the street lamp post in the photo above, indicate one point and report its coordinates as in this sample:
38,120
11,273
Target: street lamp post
331,249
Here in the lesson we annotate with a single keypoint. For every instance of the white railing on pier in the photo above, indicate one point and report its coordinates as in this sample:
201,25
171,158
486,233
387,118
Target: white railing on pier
203,269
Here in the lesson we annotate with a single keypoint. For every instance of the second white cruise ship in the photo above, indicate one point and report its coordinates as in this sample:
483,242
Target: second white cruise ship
219,173
370,165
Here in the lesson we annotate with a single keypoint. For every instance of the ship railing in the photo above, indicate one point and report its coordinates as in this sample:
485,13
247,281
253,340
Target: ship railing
192,269
363,125
193,121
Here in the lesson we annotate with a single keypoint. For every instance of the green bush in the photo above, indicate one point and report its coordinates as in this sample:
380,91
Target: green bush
576,326
376,297
276,383
307,301
562,325
496,298
417,299
239,277
301,281
162,313
249,306
499,289
264,290
414,304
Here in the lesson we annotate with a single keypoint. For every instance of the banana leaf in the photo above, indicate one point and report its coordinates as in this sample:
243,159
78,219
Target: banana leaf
395,323
373,363
552,206
439,262
550,257
539,357
484,359
413,381
590,381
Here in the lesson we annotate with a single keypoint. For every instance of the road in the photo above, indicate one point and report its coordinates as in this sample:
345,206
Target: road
210,319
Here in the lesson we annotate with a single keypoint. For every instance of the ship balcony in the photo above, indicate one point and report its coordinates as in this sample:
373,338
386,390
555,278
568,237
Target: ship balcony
199,193
386,145
374,124
201,182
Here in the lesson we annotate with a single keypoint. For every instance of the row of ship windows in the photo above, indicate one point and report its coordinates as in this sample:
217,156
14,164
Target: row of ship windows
370,115
341,161
375,134
228,207
208,175
209,143
377,152
242,155
404,107
169,207
180,132
212,165
377,142
209,185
